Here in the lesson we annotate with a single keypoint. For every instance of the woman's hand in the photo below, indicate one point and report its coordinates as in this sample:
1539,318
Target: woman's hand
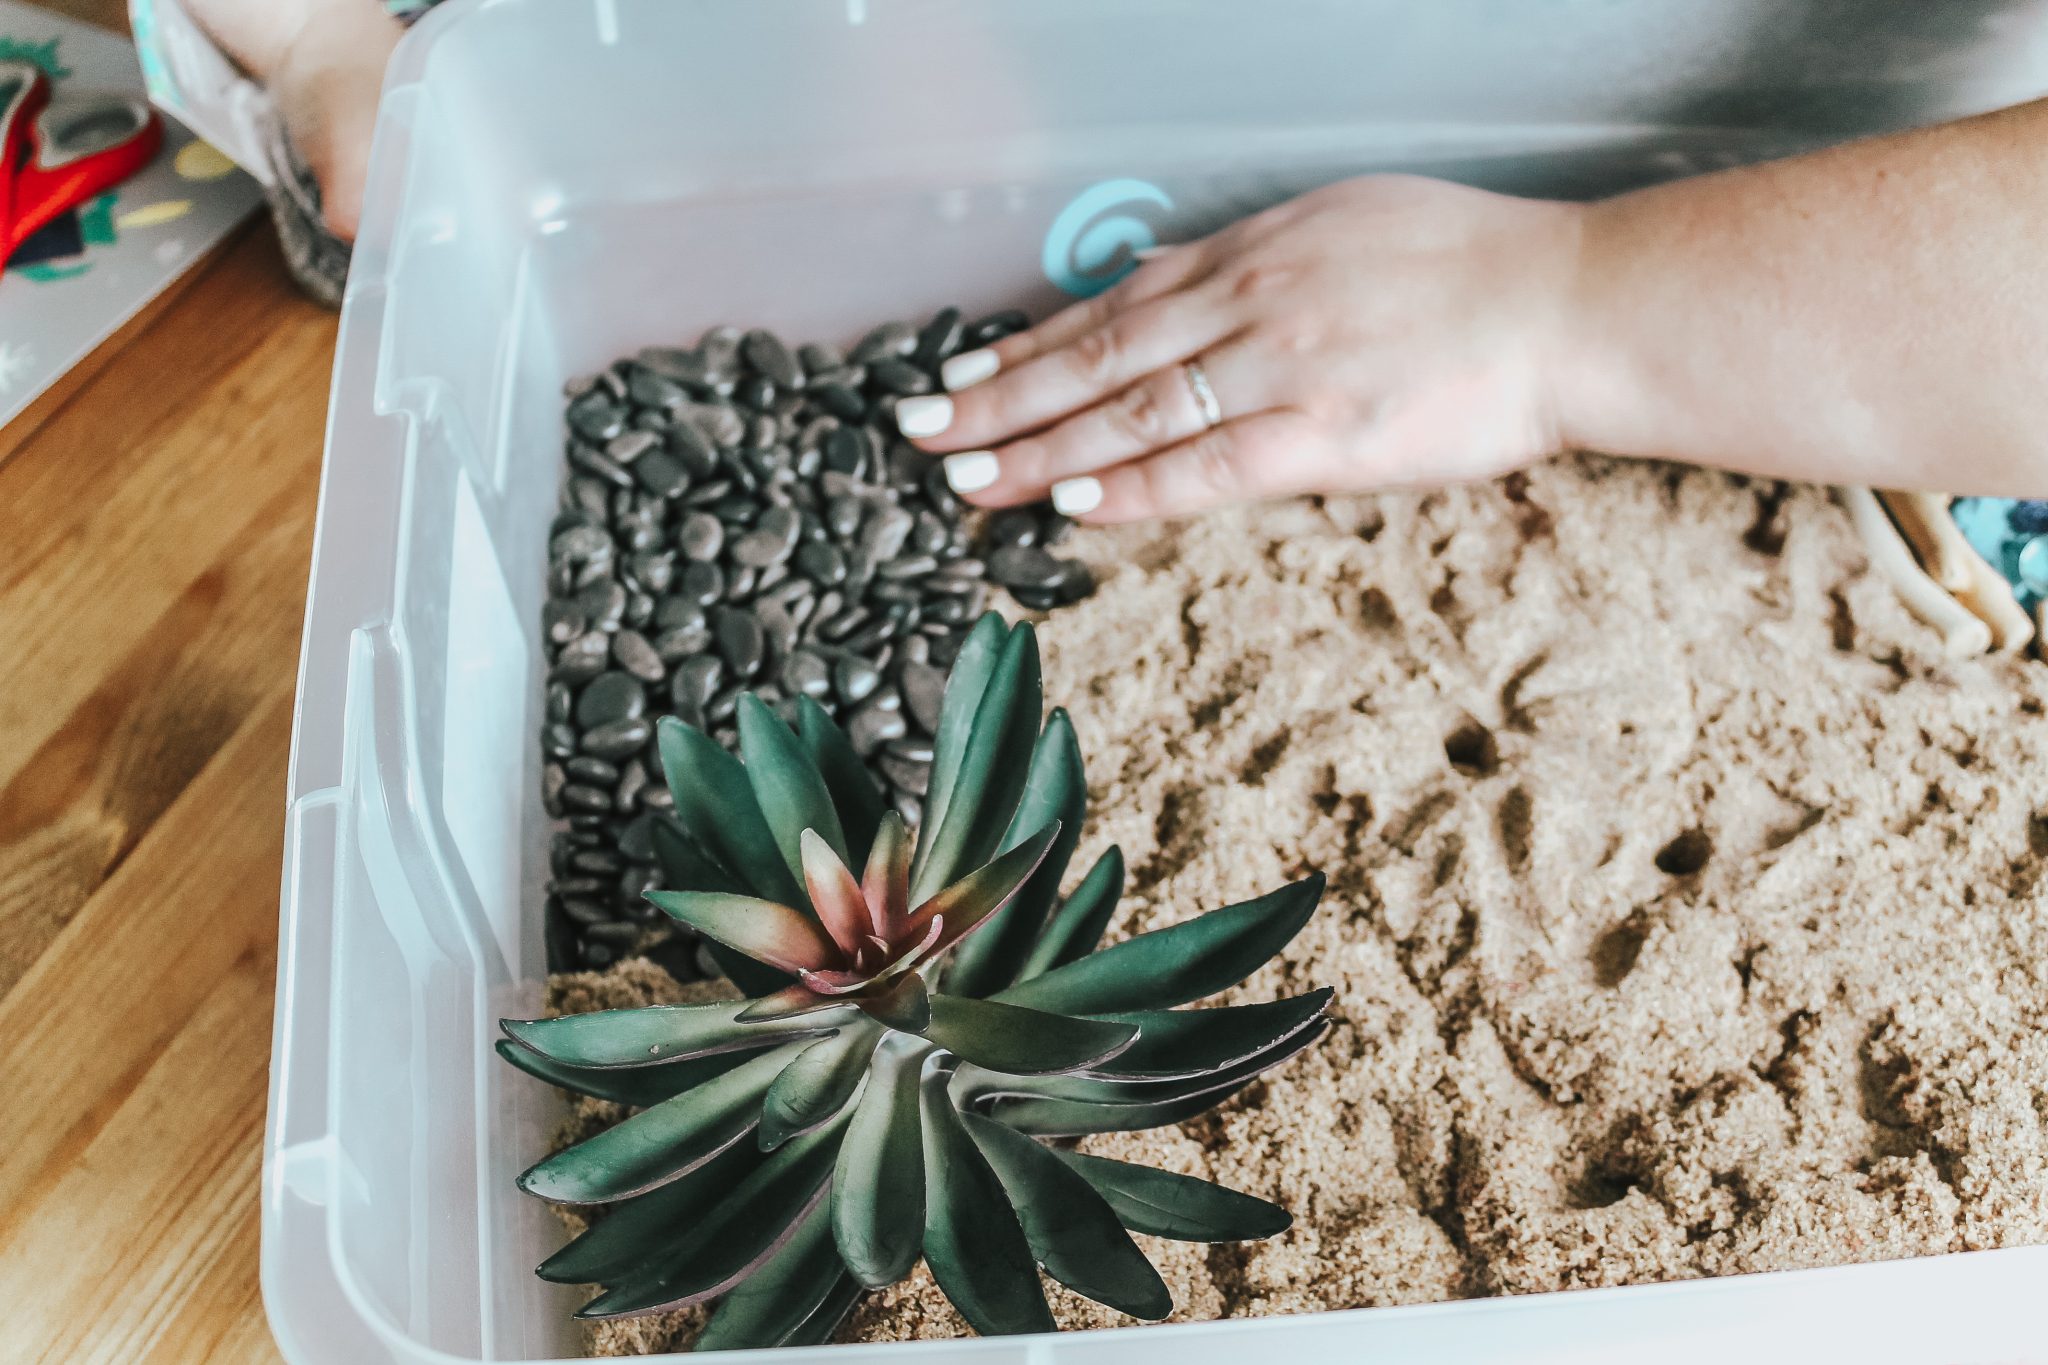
1385,331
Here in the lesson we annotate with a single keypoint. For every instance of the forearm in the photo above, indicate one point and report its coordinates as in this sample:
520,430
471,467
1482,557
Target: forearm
1873,314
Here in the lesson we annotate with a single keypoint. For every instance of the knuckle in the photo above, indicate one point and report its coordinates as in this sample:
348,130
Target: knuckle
1094,355
1257,283
1211,470
1138,415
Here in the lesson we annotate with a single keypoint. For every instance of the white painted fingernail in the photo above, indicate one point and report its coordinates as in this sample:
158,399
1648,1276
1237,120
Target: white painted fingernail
1146,253
971,470
926,415
1076,497
969,368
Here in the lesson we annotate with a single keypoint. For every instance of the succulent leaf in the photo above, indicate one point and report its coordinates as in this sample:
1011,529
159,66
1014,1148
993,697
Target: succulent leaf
1162,1204
964,686
639,1087
1077,926
836,896
685,864
1077,1118
886,881
787,1003
1023,1042
786,784
1179,1043
660,1144
650,1035
824,1320
1180,963
980,803
1073,1231
636,1230
767,931
905,1006
854,793
770,1307
878,1186
975,898
818,1083
714,802
973,1241
975,1082
1056,794
740,1234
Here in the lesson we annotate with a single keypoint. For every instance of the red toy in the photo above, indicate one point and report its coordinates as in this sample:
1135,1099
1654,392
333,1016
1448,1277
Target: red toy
55,157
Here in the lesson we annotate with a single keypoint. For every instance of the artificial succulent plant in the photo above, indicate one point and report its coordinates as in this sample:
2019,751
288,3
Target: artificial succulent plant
921,1023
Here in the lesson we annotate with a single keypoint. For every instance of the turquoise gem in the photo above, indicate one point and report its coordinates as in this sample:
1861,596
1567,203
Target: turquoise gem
2034,564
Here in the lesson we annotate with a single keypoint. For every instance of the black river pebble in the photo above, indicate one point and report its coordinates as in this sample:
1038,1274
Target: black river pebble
741,514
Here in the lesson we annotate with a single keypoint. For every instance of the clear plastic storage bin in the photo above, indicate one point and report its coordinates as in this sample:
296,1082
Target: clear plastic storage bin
560,181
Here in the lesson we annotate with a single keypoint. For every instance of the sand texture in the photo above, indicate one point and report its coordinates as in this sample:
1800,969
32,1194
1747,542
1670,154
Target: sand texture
1685,916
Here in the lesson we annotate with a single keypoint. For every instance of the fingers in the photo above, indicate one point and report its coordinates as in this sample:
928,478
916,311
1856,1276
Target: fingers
1150,336
1269,454
1158,411
1169,269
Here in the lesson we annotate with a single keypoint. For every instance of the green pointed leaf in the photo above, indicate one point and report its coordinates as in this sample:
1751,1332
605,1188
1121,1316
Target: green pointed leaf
984,791
659,1144
760,1216
1077,926
1183,962
1023,1042
653,1034
1073,1231
878,1184
788,1003
780,935
835,896
854,794
885,884
824,1320
715,805
1176,1043
1162,1204
905,1006
972,1239
817,1084
977,897
1072,1118
964,686
630,1233
787,785
1055,793
639,1087
685,866
974,1083
775,1302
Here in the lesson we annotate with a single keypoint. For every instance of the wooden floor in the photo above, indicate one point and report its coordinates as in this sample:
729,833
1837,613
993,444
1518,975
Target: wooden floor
155,528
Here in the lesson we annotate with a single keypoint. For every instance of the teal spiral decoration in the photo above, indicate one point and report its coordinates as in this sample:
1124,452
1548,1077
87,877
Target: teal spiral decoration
1095,240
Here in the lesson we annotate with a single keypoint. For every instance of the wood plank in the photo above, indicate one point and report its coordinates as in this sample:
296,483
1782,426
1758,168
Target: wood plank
79,804
92,1019
116,430
73,604
163,1198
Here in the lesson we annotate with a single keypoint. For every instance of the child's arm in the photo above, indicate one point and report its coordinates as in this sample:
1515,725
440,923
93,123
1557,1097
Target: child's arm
1876,313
